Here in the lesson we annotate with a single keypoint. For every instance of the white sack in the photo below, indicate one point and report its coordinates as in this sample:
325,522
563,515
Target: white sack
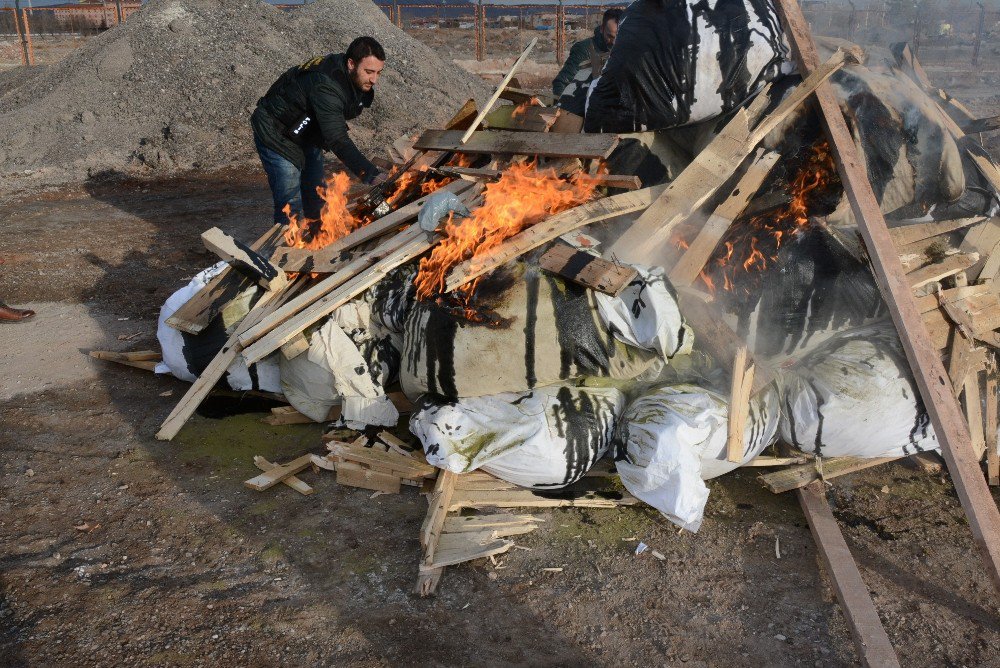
645,314
265,374
671,439
854,396
544,438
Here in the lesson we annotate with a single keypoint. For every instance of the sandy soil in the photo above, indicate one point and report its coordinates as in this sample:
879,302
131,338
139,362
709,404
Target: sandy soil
120,549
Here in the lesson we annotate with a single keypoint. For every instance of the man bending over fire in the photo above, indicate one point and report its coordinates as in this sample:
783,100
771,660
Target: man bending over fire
304,113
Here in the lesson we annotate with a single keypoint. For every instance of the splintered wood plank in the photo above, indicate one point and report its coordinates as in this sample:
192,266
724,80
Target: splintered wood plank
992,455
291,481
795,477
456,548
505,142
549,229
404,466
196,313
950,266
431,529
334,257
587,269
353,475
244,259
909,234
870,639
273,476
981,125
974,413
740,390
498,521
646,240
567,122
292,416
694,258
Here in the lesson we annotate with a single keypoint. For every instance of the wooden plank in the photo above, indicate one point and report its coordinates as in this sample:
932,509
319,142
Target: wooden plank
519,118
376,457
587,269
336,280
739,404
950,266
496,94
196,313
623,181
646,241
981,125
909,234
992,455
795,477
549,229
295,347
456,548
336,298
353,475
870,639
694,258
716,338
567,122
761,460
292,416
974,413
123,358
244,259
505,142
431,529
495,521
217,368
291,481
335,256
273,476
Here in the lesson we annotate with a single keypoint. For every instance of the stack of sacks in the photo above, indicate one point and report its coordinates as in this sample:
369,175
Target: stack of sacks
854,396
187,355
673,438
513,405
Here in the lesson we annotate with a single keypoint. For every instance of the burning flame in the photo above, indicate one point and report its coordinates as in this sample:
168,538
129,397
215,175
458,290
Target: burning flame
752,246
520,198
335,219
523,107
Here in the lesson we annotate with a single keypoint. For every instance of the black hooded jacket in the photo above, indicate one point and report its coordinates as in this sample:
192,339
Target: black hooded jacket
578,54
317,98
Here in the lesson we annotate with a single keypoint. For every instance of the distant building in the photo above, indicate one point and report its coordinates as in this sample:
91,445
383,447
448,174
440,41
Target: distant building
90,14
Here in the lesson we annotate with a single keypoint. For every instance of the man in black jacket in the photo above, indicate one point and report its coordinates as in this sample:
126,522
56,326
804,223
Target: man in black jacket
594,49
304,113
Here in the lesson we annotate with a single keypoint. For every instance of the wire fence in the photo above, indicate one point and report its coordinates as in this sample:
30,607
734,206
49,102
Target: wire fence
937,34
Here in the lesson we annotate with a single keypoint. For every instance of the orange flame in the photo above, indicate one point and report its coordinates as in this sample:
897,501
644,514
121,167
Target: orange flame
520,198
752,246
335,219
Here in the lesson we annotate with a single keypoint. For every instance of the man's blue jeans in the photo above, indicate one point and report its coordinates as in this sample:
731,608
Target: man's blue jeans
291,187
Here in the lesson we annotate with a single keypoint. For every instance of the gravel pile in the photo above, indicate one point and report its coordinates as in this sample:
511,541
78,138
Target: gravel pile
172,89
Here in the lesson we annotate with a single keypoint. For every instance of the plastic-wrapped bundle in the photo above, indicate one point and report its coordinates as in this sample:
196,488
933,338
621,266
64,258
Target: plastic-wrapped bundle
854,396
550,331
677,61
671,439
546,438
187,355
349,362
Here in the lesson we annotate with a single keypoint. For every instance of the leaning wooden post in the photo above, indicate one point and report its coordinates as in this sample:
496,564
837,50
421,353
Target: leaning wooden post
925,363
25,58
27,37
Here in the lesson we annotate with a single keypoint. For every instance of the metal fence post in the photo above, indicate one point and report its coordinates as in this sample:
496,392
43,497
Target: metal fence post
979,33
25,53
560,33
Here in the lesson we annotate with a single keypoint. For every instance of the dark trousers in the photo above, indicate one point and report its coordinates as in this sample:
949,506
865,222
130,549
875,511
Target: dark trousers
291,187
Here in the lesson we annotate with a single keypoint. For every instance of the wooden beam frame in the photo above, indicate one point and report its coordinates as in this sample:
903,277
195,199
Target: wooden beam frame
925,362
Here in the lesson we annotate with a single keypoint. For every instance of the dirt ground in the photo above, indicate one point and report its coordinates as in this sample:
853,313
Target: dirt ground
118,549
